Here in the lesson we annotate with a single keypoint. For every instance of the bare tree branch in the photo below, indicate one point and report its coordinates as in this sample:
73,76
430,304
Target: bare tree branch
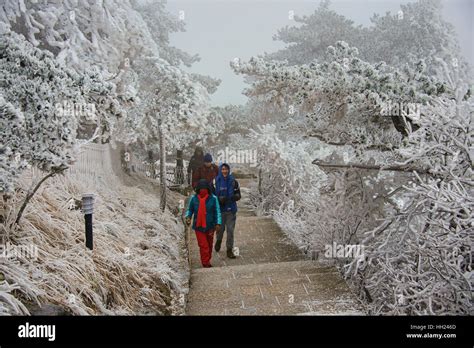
373,167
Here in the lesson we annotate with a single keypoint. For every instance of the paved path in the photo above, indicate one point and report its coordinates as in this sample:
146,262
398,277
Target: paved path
270,277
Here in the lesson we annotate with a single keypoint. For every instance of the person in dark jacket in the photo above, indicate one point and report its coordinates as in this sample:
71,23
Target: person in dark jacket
208,171
228,193
196,161
205,208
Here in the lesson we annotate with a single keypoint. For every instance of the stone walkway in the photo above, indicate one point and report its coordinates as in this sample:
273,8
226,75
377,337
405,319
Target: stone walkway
270,277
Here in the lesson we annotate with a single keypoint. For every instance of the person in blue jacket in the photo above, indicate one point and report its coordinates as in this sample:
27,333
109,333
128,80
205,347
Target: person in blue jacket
205,208
228,193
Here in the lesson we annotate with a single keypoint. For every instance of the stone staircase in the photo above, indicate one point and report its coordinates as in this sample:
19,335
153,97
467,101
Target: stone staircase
270,277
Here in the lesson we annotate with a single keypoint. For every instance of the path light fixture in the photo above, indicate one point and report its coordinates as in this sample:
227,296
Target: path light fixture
88,209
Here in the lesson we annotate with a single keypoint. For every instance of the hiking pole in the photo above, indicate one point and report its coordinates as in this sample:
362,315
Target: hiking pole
88,209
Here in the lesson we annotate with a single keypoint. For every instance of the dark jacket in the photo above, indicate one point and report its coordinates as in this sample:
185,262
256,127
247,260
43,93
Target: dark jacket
196,160
206,173
213,211
227,191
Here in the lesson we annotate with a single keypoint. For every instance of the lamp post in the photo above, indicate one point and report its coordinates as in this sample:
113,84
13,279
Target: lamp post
88,209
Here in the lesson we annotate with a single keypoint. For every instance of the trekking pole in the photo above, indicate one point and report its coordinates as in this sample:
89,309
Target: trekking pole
186,234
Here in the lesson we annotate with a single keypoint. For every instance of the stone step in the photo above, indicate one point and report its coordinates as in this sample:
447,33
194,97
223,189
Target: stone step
259,239
297,287
271,276
252,271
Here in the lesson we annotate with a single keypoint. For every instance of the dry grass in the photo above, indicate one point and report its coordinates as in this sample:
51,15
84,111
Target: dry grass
150,277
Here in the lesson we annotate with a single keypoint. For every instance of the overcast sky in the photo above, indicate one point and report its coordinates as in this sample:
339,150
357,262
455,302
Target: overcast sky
221,30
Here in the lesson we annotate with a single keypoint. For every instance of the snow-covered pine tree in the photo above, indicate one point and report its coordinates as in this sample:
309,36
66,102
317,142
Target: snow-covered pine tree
106,36
419,258
417,31
39,102
330,94
338,98
170,96
12,146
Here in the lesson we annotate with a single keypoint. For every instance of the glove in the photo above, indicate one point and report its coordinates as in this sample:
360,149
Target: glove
188,220
218,228
222,200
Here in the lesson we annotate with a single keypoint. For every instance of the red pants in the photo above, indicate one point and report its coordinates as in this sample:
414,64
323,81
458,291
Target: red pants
205,242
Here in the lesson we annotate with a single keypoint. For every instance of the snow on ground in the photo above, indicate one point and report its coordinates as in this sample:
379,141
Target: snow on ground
137,265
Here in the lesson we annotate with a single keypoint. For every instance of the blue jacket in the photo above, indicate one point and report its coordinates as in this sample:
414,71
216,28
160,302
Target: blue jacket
227,191
213,212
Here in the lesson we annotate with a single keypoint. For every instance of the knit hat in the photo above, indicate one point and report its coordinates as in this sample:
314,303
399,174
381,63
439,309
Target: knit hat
203,184
208,157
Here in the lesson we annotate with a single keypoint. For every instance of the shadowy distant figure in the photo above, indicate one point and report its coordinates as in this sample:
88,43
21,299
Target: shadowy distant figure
204,206
196,161
208,171
228,193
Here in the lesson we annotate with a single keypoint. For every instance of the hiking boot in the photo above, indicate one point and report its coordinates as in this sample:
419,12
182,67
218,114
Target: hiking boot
230,254
207,266
217,247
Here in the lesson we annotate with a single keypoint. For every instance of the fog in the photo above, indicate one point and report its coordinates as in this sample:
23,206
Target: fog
220,31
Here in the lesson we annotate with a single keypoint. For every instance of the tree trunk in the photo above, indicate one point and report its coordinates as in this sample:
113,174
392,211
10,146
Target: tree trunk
179,174
394,168
151,156
162,169
30,194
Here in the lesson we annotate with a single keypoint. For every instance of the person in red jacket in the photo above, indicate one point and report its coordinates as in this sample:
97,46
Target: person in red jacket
208,171
205,208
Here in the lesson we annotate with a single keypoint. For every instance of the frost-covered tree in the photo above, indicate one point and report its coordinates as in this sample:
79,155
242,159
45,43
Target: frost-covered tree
109,36
310,40
330,94
211,84
286,170
417,31
81,33
37,129
235,118
170,99
419,259
161,24
403,168
12,147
